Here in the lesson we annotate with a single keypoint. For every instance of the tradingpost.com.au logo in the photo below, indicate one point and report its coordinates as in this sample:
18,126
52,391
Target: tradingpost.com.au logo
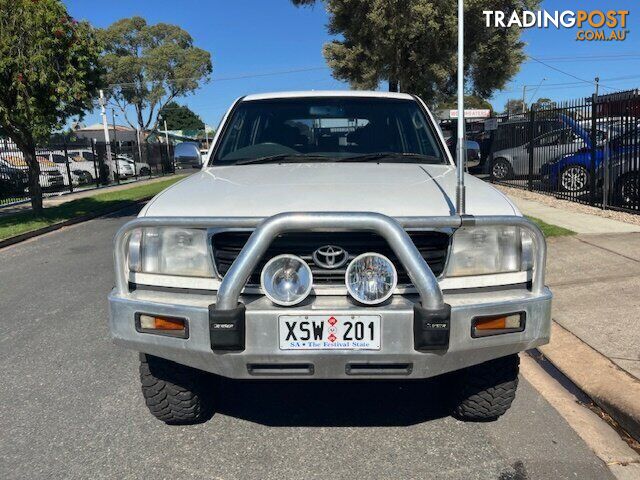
592,25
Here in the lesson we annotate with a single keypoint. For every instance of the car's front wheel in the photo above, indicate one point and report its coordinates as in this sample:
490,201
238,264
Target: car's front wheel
627,190
574,178
501,169
174,393
484,392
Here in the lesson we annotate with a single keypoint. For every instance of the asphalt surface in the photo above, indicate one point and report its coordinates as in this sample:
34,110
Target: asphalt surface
71,407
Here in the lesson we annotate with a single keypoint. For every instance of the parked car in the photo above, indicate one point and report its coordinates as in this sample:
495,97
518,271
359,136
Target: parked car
109,170
80,175
572,172
320,241
13,180
515,161
50,176
142,169
624,176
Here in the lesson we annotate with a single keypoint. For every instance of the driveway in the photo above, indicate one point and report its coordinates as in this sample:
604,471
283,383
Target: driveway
70,402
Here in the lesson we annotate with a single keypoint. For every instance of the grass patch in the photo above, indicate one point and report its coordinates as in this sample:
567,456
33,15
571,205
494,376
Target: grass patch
23,222
551,230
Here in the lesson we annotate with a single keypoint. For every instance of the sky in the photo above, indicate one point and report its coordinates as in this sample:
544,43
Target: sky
270,45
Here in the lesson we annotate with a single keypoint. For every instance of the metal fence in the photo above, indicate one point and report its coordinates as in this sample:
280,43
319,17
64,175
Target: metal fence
586,151
67,166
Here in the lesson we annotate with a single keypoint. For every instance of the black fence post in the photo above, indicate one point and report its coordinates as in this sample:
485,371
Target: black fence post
594,148
532,129
66,161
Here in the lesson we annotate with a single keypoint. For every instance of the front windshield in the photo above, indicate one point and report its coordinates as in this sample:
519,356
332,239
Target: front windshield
328,129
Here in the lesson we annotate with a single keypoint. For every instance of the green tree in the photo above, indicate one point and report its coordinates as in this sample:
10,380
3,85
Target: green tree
514,105
470,101
147,66
544,103
49,71
180,117
412,44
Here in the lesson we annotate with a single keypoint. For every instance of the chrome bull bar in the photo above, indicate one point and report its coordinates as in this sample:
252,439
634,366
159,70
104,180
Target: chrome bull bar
391,229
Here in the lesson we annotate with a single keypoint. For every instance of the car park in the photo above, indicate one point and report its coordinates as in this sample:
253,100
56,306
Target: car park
50,177
320,241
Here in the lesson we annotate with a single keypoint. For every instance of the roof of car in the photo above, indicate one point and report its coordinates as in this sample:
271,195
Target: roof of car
328,93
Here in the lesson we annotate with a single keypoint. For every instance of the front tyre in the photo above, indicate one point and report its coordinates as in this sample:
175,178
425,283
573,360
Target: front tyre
484,392
501,169
174,393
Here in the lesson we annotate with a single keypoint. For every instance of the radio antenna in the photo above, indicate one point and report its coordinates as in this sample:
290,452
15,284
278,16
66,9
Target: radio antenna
461,150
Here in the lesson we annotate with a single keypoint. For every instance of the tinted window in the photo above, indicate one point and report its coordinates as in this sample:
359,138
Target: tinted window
331,128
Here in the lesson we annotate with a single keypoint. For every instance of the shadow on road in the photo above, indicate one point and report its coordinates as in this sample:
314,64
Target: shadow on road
333,403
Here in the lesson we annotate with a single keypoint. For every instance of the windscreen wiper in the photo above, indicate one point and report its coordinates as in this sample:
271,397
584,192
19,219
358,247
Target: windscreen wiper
281,157
390,155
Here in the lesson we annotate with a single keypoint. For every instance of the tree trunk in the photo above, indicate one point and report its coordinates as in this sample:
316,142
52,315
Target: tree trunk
29,152
393,84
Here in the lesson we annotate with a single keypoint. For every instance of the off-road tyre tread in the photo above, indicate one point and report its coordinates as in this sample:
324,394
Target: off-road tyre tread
174,393
486,391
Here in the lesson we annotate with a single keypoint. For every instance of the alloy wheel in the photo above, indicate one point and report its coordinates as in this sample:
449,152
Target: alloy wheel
574,179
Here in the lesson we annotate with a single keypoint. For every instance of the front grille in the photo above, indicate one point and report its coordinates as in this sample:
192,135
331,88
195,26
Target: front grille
433,247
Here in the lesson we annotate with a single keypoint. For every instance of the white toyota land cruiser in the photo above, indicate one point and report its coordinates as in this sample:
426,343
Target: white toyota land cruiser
321,241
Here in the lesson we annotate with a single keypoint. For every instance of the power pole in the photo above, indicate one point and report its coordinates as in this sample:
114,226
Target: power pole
524,99
597,79
461,149
105,124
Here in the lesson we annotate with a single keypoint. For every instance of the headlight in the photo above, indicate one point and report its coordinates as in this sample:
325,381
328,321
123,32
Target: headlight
286,280
371,278
486,250
170,251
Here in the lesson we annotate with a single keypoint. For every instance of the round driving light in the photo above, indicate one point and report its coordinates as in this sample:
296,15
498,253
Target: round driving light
286,280
371,278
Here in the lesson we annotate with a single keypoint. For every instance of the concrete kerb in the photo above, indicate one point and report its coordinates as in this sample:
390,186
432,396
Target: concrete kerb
610,387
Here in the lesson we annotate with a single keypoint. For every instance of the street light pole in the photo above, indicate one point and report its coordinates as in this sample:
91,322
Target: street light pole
105,125
461,149
115,143
166,139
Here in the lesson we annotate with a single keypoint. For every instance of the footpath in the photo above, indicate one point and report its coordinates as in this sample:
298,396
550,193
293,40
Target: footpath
595,279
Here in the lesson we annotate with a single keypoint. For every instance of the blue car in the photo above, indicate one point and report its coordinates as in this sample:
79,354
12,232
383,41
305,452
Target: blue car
572,172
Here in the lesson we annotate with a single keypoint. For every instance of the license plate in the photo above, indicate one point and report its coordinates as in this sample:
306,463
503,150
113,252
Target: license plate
329,332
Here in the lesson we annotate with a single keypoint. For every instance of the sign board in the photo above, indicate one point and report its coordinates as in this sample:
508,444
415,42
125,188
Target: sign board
471,113
491,124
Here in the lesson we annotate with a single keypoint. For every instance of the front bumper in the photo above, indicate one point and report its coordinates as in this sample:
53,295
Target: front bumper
262,357
403,319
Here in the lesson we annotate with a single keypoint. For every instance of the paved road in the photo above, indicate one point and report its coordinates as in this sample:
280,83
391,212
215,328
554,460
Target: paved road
70,405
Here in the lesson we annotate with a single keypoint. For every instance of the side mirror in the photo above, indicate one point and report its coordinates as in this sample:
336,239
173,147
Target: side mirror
187,154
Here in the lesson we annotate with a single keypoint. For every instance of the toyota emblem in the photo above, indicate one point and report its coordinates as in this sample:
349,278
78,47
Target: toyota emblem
330,257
